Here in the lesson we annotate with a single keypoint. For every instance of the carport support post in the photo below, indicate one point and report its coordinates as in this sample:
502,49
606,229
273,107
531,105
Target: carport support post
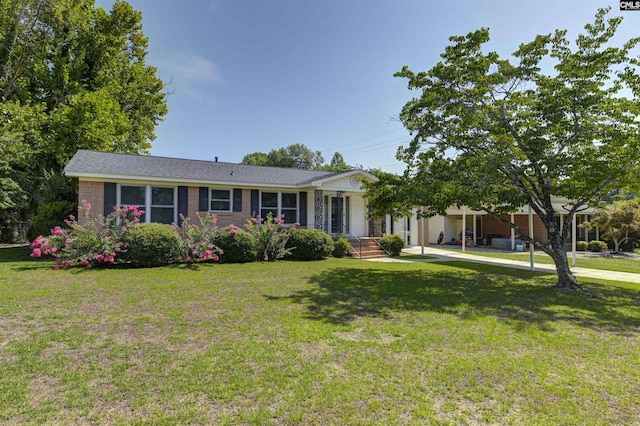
513,235
464,227
531,257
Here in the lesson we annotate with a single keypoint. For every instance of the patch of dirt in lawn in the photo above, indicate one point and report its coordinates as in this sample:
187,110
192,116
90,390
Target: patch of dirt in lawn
359,335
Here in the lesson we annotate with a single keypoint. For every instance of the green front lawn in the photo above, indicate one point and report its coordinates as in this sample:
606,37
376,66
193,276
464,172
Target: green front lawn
339,341
620,263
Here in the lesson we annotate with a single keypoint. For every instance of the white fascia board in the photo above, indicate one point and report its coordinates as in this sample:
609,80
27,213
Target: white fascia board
320,182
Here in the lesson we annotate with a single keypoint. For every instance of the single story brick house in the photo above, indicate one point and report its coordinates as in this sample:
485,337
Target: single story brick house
167,187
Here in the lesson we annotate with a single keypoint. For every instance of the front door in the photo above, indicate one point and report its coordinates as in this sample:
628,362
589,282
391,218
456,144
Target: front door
336,215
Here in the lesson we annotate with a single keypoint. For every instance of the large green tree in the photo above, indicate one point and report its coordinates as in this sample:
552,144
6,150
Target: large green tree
554,120
297,156
71,76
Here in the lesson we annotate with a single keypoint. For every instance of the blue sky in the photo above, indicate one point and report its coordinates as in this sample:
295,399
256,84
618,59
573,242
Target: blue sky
249,76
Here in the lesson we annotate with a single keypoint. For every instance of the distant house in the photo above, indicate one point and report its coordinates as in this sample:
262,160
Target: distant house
167,187
484,228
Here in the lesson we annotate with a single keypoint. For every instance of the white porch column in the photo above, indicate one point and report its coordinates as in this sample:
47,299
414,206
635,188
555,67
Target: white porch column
464,227
513,234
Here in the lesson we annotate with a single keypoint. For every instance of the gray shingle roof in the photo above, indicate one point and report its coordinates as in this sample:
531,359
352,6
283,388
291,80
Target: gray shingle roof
87,163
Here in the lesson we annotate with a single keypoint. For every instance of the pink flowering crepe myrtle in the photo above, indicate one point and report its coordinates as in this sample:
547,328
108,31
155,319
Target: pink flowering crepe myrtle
94,242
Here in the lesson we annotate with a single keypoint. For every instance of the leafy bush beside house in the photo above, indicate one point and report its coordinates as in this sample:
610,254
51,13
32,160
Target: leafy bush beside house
392,243
237,246
596,245
581,245
340,247
49,216
151,244
309,244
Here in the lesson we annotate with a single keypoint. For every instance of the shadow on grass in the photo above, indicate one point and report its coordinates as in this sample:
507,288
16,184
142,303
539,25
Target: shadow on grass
15,254
466,290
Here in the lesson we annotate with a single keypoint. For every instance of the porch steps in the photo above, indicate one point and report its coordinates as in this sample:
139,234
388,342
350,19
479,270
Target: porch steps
370,249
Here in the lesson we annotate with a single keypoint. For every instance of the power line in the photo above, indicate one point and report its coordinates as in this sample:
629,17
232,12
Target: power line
361,140
375,146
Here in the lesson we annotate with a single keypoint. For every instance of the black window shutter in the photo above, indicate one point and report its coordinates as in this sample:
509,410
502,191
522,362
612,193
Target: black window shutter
183,202
110,198
302,208
255,202
237,200
204,199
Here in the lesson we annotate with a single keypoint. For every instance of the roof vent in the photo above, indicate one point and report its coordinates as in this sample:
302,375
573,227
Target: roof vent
216,158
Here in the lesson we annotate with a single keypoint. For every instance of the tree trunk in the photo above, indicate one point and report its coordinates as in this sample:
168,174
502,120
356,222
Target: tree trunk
558,252
566,280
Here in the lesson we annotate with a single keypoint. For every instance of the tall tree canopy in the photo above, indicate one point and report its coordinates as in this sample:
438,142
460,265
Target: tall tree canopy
297,156
497,134
71,76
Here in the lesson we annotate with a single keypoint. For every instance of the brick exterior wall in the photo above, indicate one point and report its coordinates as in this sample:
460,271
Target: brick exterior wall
491,225
93,193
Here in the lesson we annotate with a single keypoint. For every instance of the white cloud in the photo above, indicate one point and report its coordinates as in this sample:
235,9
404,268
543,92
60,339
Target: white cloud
195,67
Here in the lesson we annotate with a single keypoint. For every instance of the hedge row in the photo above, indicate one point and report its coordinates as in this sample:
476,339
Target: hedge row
120,238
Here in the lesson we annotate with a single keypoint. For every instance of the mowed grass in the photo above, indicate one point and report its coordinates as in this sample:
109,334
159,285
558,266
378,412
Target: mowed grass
339,341
618,262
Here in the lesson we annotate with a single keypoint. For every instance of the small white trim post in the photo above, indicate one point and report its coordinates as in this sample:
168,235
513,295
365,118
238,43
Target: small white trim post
464,227
531,257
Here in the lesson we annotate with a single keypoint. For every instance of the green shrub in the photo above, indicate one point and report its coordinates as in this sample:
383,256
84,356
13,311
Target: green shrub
49,216
151,244
309,244
392,243
596,245
340,247
581,245
238,246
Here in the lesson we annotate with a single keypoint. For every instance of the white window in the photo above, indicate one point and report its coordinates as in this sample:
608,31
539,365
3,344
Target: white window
163,204
220,200
278,204
269,204
158,202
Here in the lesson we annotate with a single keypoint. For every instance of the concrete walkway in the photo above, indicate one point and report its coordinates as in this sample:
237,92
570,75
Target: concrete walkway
446,255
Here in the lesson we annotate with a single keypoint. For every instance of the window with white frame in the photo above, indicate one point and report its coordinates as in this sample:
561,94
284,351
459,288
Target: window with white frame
220,200
162,204
289,207
134,195
158,202
269,204
278,204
